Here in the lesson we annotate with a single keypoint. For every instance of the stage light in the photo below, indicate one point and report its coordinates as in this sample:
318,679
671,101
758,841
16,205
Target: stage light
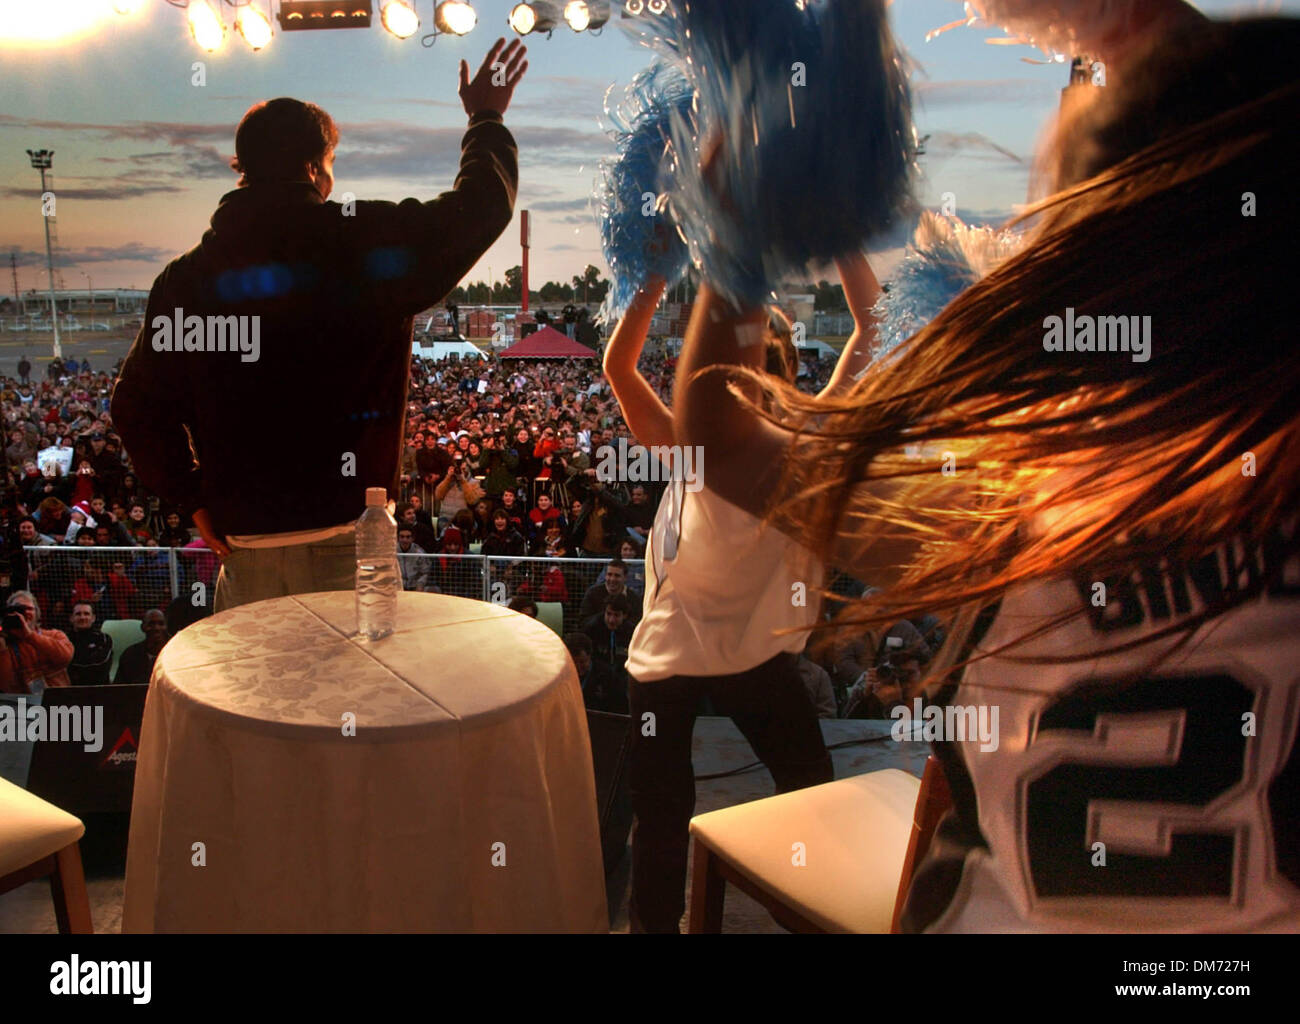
455,17
523,19
534,16
307,15
577,15
633,7
254,26
656,6
586,15
399,18
206,26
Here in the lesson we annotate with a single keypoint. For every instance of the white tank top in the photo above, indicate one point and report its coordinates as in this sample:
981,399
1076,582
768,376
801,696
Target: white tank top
719,586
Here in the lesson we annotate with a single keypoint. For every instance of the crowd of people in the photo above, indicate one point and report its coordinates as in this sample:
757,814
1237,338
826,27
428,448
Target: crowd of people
500,460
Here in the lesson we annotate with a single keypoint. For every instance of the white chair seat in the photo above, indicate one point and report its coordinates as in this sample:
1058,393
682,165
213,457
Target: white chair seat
854,834
31,829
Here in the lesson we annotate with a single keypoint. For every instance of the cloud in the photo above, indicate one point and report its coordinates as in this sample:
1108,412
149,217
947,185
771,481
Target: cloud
136,190
561,205
383,150
935,95
392,150
197,150
975,144
132,252
985,218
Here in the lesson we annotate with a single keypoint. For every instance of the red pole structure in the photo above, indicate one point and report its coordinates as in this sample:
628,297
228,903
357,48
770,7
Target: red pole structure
525,241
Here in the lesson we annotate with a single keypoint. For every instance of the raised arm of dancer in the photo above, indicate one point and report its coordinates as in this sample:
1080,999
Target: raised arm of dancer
746,453
647,417
861,290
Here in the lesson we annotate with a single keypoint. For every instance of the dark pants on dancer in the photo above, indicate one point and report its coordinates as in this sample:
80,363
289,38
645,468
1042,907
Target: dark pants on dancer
769,705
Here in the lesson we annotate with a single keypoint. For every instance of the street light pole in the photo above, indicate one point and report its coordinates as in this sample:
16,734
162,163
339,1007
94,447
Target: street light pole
43,160
91,281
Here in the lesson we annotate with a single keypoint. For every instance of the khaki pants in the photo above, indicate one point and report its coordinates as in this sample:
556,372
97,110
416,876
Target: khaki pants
256,574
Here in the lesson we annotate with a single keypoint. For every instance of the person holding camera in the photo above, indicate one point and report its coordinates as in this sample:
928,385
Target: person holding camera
458,490
34,658
896,676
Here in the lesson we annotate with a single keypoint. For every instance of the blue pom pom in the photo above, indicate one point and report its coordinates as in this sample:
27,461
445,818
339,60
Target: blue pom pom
945,258
813,112
638,235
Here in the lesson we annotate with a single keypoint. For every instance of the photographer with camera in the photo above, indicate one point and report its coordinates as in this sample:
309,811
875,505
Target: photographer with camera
896,676
458,489
34,658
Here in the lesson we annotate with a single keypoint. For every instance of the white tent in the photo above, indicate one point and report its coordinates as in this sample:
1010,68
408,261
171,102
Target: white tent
822,349
440,349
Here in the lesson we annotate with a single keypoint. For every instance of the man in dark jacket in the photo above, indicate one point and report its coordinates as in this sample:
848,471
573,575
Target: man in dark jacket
92,649
602,690
136,664
610,632
288,298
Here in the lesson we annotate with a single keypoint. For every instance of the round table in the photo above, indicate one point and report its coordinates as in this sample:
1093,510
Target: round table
295,777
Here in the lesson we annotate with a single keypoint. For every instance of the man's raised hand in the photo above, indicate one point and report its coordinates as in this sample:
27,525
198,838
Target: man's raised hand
495,82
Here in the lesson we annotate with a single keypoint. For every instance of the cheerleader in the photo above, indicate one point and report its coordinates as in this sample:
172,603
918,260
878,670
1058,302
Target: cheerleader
1113,539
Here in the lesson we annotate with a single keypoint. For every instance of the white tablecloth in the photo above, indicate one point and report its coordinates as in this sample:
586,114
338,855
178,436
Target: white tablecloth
471,746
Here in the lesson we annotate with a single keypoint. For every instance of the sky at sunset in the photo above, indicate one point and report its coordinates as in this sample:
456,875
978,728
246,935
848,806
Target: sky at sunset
141,154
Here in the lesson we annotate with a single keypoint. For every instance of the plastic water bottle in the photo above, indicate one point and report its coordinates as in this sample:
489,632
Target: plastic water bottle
378,577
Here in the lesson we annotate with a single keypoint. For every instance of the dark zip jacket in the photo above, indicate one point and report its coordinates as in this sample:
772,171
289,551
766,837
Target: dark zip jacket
292,439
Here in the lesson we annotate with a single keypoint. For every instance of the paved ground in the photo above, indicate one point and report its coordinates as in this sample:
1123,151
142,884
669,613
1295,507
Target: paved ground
102,348
718,747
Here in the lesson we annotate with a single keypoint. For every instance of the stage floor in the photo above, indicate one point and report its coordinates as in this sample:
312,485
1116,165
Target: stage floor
718,747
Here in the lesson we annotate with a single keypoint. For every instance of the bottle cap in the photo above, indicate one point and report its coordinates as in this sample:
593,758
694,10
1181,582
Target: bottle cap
376,496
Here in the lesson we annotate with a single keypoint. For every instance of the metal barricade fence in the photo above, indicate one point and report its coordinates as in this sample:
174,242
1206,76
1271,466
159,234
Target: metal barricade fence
118,582
124,583
563,581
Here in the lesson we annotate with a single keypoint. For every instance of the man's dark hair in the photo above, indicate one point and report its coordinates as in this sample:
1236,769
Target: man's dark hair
576,642
619,603
617,563
277,137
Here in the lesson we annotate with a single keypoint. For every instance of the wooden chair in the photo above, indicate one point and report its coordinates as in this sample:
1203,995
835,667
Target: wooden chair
836,858
37,840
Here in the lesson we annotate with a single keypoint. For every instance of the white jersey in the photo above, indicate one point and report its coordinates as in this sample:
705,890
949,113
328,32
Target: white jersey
719,588
1122,797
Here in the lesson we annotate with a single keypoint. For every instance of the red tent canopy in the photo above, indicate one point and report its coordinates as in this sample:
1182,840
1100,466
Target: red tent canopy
548,343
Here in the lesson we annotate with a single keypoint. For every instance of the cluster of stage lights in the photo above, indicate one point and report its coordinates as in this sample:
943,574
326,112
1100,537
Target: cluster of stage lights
399,17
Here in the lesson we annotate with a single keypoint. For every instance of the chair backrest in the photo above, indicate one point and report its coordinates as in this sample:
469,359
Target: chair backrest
476,548
123,633
551,614
932,802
